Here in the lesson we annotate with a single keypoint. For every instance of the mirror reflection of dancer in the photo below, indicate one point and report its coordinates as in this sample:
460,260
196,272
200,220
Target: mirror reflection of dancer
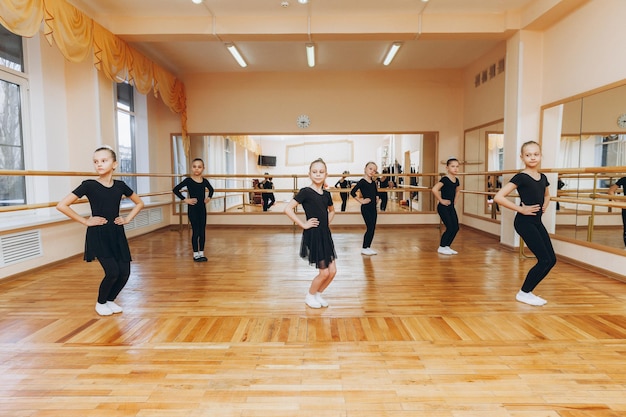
612,189
532,187
367,187
268,198
196,200
384,182
343,183
317,243
105,239
446,191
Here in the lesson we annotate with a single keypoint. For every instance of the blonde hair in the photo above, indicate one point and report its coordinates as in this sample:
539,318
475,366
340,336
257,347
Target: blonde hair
530,142
318,161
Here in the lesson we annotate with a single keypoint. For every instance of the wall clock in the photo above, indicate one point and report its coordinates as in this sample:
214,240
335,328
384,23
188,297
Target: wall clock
303,121
621,121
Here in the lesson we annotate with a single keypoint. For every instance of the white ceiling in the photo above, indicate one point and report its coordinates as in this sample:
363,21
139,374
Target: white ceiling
352,35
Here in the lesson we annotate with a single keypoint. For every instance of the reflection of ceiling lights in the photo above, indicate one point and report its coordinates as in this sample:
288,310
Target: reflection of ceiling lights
310,54
392,53
303,1
235,53
196,1
284,4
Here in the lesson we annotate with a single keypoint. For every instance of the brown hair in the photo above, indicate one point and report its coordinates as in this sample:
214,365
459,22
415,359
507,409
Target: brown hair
107,148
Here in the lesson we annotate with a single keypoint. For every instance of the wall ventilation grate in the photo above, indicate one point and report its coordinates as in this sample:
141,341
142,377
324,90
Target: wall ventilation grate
146,218
19,247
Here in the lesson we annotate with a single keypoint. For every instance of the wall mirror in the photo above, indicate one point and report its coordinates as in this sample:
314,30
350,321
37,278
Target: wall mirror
483,150
406,158
589,135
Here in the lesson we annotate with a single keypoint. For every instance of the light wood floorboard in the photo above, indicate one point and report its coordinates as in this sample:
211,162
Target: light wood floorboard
408,332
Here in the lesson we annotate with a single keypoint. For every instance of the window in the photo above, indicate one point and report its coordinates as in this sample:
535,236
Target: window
126,133
12,86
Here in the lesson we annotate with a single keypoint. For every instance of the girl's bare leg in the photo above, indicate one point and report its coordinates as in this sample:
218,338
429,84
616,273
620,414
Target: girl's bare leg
332,271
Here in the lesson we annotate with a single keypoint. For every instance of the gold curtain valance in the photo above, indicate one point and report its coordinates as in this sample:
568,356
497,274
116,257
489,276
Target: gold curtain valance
22,17
247,142
77,35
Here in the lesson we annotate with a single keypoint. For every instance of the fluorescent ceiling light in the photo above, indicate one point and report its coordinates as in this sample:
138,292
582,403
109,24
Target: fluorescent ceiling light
196,1
306,1
235,53
392,52
310,54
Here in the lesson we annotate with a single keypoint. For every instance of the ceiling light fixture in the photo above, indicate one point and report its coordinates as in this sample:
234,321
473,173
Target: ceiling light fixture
196,1
392,53
235,53
303,1
310,54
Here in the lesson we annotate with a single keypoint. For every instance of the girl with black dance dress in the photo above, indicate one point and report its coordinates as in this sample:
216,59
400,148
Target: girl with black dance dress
105,239
317,243
197,187
532,187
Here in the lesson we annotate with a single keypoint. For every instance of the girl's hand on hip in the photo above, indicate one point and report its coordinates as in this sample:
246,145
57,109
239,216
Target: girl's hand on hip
121,220
312,222
530,210
96,221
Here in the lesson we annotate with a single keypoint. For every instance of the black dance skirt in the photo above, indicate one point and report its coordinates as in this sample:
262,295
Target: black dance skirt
317,247
106,241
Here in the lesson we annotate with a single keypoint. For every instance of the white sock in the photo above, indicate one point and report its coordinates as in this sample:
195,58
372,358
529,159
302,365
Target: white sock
196,254
201,253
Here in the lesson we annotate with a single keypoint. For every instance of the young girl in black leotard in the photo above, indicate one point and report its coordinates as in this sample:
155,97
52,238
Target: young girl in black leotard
532,187
367,187
446,191
105,239
317,243
343,183
196,199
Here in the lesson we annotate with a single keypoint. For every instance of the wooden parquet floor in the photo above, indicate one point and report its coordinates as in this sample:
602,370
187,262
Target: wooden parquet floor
408,333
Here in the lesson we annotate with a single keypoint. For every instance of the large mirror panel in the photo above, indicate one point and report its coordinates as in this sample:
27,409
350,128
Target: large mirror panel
590,140
244,162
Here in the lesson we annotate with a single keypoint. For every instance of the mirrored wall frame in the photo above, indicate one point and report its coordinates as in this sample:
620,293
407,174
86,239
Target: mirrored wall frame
483,150
590,156
234,165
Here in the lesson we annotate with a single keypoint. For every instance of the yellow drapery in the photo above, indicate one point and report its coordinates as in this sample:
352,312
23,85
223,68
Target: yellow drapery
76,35
21,17
246,142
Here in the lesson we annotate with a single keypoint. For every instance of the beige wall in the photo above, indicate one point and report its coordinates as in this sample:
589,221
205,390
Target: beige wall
484,104
584,51
336,102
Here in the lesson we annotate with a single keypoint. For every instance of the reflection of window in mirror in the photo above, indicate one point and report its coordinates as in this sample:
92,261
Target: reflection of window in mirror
495,162
590,140
483,151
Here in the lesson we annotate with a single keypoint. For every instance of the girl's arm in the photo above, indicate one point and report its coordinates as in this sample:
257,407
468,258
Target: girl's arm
64,207
500,198
458,192
546,200
177,188
131,215
312,222
436,190
209,187
354,190
331,214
